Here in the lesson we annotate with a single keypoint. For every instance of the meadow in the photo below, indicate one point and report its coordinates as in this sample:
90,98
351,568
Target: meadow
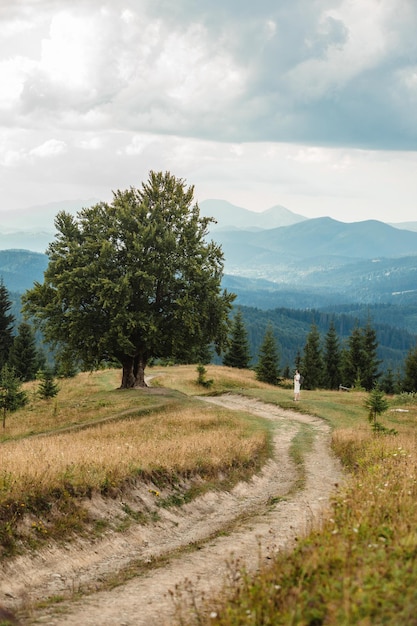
359,567
96,438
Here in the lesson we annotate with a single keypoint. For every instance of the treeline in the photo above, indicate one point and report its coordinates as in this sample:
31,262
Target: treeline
291,327
21,360
18,345
329,349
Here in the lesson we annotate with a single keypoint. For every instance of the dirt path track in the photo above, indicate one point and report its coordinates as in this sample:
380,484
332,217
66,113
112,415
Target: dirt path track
253,527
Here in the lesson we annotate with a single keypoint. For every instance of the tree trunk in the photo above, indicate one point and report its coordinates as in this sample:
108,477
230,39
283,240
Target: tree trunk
133,372
139,371
128,377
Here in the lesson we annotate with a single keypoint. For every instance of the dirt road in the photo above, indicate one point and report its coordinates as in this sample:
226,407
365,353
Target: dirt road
195,542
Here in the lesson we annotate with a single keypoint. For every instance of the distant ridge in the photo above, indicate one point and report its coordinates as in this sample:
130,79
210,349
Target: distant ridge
405,226
230,216
39,217
19,269
318,237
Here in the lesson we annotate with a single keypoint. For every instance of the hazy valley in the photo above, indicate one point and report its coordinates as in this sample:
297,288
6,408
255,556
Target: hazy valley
274,260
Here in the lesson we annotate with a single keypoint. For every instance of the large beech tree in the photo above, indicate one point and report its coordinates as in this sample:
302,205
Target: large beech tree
133,280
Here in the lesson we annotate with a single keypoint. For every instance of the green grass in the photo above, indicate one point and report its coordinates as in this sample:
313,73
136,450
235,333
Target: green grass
361,567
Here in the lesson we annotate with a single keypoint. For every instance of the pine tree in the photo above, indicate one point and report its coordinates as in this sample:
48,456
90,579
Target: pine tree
312,362
352,358
11,395
23,355
332,357
66,366
6,325
267,368
371,363
238,353
47,387
409,382
360,361
376,403
388,382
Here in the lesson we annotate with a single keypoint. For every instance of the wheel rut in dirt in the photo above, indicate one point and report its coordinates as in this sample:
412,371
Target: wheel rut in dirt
192,545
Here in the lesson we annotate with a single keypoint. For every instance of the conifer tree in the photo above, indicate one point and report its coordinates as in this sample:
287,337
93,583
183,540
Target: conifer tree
47,387
23,355
332,358
6,325
267,368
409,382
238,354
352,358
370,373
360,361
11,395
312,360
388,384
376,403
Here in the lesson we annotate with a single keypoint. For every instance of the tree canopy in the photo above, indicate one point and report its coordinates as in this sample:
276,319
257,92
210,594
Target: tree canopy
133,279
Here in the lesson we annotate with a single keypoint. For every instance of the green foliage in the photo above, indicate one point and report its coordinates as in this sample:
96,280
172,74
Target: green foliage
6,324
267,368
66,364
238,354
371,372
331,358
24,357
376,404
201,379
133,280
359,358
47,388
388,383
410,374
292,326
11,395
312,360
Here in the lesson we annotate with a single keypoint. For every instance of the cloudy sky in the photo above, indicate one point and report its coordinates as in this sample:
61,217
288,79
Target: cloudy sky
310,104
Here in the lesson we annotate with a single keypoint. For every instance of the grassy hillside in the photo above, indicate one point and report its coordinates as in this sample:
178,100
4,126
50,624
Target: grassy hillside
360,567
95,437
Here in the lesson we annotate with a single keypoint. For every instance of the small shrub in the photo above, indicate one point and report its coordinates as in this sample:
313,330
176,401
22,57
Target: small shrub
201,379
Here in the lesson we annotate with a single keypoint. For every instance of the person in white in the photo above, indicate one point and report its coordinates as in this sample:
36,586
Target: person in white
297,378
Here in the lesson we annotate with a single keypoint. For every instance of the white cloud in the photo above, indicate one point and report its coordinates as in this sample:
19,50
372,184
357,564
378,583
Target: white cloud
13,73
50,148
277,102
92,143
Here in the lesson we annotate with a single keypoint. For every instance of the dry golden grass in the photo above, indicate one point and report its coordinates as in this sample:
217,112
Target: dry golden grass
183,378
94,436
86,397
190,440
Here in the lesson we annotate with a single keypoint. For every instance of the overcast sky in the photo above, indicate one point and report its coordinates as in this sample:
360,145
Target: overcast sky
310,104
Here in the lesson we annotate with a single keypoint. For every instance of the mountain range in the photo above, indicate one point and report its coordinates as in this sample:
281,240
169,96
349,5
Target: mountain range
274,258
